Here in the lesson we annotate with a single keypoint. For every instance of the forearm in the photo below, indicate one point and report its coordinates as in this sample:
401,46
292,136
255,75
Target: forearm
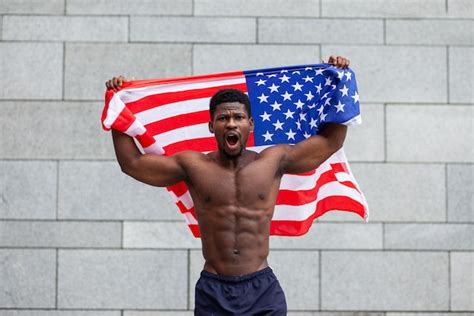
125,150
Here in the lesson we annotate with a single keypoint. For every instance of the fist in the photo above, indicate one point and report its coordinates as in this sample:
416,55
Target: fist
339,61
115,83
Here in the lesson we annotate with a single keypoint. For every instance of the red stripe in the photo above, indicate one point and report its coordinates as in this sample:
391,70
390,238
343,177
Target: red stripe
124,120
298,228
157,100
145,139
177,121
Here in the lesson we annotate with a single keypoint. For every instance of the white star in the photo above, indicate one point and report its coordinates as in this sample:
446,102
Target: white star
312,123
286,96
333,86
327,101
291,134
348,75
259,73
260,82
272,75
273,88
340,74
328,82
322,118
308,78
320,110
299,104
284,78
302,116
306,135
297,86
355,97
268,136
340,107
283,71
275,106
325,95
312,106
308,68
309,96
265,116
319,88
278,125
296,72
298,125
263,98
344,91
320,72
289,114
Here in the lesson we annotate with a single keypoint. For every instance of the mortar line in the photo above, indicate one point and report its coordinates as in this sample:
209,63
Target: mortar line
57,278
449,281
446,193
320,280
257,26
448,97
57,190
63,93
383,236
320,8
446,6
385,147
193,13
122,235
129,29
192,59
384,31
65,5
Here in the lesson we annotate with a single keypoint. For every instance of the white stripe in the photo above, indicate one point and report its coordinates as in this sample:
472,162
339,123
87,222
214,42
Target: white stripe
183,133
186,200
154,148
357,120
173,109
135,129
343,176
134,94
190,220
115,107
302,212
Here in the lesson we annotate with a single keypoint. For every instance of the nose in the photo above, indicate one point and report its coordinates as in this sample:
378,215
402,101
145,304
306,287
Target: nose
231,123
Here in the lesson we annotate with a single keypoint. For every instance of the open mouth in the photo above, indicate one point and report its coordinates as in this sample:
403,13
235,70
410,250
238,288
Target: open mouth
232,139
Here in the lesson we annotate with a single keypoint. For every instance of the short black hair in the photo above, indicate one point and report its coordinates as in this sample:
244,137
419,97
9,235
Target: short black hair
229,95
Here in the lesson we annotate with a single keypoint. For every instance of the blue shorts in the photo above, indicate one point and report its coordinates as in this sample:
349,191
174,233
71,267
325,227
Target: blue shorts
258,293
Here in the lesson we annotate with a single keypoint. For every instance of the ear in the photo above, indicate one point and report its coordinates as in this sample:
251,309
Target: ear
211,127
251,123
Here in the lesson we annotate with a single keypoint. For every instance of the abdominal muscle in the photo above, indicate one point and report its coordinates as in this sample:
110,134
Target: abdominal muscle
235,241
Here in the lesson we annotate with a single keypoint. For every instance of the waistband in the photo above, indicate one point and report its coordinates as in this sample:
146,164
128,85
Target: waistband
236,278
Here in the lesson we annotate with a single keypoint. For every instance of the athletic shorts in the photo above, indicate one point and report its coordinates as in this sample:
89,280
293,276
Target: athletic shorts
258,293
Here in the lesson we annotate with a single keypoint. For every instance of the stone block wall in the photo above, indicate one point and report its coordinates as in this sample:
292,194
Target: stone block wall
78,237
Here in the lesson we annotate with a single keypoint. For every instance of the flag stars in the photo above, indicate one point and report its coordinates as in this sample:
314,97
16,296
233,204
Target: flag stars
273,88
302,116
265,116
328,81
322,117
297,86
355,97
289,114
259,74
276,106
327,102
268,136
320,110
263,98
308,78
290,134
260,82
309,96
340,74
271,75
286,96
348,75
278,125
299,104
340,107
312,123
298,125
319,72
284,78
306,135
319,88
344,91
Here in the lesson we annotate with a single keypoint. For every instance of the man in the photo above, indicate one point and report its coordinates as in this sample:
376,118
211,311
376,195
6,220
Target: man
234,192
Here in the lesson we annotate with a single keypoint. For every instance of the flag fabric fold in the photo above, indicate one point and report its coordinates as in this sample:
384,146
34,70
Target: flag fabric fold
289,104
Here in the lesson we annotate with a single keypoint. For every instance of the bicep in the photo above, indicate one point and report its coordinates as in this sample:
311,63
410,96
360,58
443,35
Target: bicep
157,170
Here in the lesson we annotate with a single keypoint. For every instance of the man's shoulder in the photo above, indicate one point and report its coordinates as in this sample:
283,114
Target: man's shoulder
275,151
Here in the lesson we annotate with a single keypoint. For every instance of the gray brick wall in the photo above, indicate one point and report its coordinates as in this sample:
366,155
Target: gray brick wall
67,249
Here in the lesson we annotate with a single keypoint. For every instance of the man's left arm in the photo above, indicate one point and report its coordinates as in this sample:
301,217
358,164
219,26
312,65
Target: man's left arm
310,153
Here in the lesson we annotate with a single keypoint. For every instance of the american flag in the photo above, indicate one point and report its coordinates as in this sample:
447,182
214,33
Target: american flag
289,104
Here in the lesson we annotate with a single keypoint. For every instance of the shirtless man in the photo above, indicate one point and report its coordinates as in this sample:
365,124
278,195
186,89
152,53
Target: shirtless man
234,192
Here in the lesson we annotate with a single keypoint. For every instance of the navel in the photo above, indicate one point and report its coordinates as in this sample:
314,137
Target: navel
207,199
261,196
236,251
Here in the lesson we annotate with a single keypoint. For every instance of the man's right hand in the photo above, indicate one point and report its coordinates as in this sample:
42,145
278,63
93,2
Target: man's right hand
115,83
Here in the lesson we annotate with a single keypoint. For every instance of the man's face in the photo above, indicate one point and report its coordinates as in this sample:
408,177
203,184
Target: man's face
231,126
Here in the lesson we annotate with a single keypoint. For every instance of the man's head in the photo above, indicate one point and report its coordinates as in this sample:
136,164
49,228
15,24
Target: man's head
230,121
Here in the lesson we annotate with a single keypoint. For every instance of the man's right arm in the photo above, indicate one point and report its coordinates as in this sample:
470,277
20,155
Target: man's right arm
148,168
